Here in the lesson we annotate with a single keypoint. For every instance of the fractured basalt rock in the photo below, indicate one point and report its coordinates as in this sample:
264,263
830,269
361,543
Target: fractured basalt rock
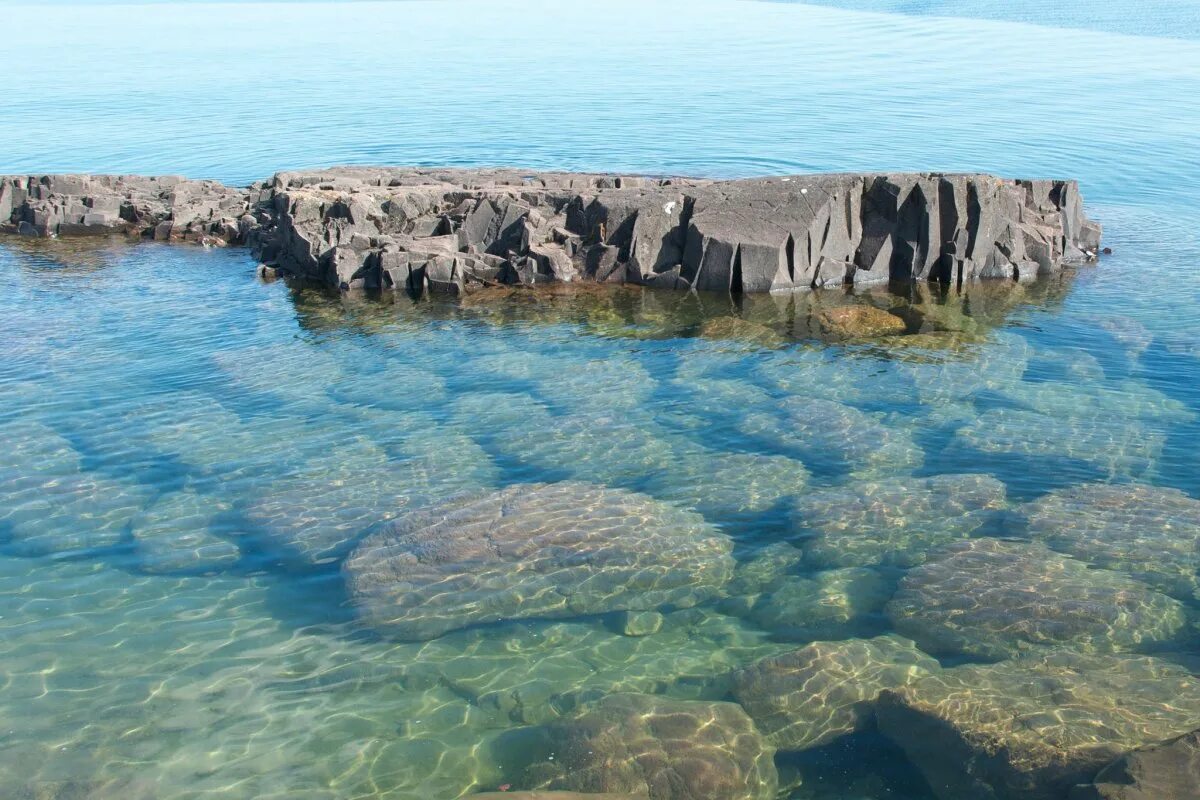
448,231
168,208
542,550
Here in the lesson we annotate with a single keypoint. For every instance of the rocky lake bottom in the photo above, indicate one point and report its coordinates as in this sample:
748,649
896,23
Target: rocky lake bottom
263,540
747,513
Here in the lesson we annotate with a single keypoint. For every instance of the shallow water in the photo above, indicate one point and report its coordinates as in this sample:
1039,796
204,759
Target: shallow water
189,454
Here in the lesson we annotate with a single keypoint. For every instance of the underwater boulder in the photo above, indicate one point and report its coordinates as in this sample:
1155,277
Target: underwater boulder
660,748
827,605
1030,729
720,483
859,322
811,696
895,522
1166,771
827,435
994,599
175,534
1149,533
538,550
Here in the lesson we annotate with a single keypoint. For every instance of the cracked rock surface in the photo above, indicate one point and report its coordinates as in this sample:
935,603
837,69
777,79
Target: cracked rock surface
452,231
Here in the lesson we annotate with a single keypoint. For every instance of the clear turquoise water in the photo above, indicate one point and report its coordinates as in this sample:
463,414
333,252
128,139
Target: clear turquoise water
165,414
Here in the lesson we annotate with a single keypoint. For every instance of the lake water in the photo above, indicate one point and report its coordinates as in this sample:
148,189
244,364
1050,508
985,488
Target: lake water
176,433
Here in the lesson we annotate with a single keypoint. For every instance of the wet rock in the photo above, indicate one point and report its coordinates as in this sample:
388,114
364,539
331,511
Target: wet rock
1166,771
1149,533
859,322
174,534
1031,729
896,522
764,569
542,550
828,435
994,599
811,696
825,606
661,748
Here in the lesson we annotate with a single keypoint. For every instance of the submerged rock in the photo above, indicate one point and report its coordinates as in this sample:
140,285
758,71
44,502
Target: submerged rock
722,484
660,748
811,696
832,436
536,795
542,550
859,322
994,599
826,606
1149,533
896,522
1031,729
1166,771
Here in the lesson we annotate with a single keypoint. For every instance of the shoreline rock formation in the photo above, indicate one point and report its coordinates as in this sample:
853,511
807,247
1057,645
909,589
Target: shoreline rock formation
452,230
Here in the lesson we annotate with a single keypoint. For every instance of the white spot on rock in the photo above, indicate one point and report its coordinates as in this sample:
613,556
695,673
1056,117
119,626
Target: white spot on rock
670,207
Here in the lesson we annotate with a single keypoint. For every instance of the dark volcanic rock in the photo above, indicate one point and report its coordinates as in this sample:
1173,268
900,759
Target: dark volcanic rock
450,231
540,550
1167,771
662,748
446,230
1031,729
163,208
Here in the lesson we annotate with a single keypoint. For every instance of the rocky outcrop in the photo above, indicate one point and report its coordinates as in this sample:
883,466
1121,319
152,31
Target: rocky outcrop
1166,771
1031,729
453,230
164,208
540,550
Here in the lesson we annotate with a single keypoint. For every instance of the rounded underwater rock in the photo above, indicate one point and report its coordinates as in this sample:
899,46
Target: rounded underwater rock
174,534
389,387
538,550
859,322
316,511
659,748
612,449
597,386
721,483
741,331
828,605
831,375
1032,728
1149,533
1114,446
995,599
994,365
896,522
809,697
764,569
1168,770
829,436
504,794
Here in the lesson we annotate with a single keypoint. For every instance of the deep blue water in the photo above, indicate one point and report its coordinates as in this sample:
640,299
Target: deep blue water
174,429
